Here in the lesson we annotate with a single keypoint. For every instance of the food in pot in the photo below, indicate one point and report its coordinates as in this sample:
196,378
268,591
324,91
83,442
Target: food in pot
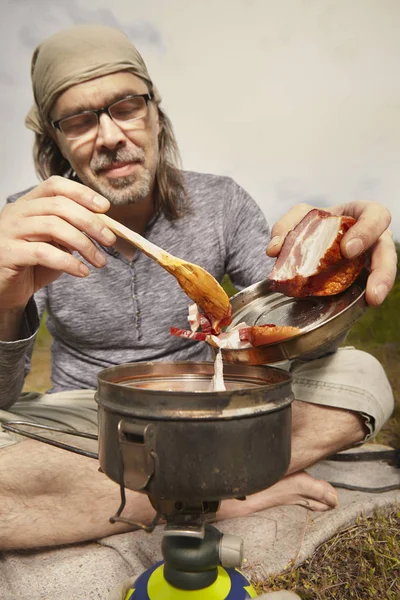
239,337
310,262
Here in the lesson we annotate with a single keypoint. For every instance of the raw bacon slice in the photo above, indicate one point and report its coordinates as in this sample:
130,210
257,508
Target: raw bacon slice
218,324
260,335
194,317
188,334
229,339
310,262
207,324
241,337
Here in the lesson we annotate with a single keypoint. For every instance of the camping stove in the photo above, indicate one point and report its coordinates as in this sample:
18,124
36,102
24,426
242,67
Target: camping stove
161,432
164,434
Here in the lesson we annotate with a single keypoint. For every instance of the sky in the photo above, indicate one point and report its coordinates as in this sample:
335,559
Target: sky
297,100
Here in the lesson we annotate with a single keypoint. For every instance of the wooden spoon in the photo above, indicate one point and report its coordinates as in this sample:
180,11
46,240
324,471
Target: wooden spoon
195,281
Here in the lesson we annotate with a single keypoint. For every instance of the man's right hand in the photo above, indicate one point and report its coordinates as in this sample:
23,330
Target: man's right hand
39,232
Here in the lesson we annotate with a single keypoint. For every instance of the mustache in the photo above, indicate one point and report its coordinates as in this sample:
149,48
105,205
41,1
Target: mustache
108,158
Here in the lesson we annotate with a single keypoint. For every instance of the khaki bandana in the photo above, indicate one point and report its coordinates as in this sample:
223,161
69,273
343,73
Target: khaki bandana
75,55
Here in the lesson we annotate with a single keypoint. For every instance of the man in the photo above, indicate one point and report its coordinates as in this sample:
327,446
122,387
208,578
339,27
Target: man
104,144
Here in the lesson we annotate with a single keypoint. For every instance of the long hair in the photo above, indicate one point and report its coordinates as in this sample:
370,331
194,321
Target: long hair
169,191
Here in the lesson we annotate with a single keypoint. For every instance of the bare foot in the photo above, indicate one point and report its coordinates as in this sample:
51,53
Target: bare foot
298,488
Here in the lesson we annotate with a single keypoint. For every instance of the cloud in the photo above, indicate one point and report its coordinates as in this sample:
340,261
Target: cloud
145,32
48,16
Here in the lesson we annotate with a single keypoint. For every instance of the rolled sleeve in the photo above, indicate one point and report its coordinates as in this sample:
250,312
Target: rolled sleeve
14,355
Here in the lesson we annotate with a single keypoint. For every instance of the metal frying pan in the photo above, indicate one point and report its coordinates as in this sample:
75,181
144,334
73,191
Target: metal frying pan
322,320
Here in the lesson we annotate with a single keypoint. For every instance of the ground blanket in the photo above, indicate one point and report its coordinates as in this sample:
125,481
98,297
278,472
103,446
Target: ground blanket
273,539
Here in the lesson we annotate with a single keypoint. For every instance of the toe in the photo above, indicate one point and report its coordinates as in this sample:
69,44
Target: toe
314,505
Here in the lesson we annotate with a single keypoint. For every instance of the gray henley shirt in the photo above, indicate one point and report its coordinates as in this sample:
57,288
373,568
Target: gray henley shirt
123,312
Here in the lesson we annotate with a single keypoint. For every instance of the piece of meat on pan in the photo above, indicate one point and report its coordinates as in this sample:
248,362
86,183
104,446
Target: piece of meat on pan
260,335
310,262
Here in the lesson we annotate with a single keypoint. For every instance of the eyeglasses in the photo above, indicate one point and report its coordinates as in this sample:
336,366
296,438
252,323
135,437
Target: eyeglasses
123,113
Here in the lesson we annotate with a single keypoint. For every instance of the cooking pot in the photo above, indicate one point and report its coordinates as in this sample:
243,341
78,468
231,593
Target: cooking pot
161,432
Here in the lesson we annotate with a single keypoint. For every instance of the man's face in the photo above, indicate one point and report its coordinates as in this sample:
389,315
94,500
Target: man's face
118,162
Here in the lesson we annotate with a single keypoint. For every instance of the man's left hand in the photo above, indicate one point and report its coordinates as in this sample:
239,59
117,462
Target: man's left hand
369,232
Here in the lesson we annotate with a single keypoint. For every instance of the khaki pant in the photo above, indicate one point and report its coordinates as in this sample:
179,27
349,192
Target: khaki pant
75,409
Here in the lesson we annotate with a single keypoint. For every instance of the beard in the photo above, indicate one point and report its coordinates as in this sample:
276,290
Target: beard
122,191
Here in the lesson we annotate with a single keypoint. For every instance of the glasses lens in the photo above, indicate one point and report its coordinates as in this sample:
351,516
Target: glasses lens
129,109
74,127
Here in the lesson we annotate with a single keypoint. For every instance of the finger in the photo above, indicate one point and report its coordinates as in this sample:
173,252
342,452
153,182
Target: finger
351,209
284,225
68,210
79,193
372,220
383,270
54,229
32,254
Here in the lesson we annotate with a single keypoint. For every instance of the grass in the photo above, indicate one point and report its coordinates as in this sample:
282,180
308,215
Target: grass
378,332
38,380
362,562
359,563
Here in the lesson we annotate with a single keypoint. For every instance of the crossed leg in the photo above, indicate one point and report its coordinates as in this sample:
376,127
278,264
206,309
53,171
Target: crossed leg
51,497
317,432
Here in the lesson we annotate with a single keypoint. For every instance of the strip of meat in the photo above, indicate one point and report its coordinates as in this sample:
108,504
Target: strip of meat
310,262
194,317
218,324
260,335
240,337
207,323
189,335
229,339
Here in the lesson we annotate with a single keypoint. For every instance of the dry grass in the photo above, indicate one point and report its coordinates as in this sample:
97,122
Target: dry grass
38,380
360,563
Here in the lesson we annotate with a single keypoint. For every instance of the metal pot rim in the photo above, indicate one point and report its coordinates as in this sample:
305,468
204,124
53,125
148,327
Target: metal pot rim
269,389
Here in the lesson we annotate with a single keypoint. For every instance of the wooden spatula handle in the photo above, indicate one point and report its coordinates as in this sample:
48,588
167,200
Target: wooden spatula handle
153,251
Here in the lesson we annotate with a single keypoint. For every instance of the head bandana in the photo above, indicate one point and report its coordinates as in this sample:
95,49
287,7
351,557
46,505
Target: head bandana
75,55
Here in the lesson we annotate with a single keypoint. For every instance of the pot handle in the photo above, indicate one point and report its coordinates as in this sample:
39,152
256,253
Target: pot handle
137,444
13,427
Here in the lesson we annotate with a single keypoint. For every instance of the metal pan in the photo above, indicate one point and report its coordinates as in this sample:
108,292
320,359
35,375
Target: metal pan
323,321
